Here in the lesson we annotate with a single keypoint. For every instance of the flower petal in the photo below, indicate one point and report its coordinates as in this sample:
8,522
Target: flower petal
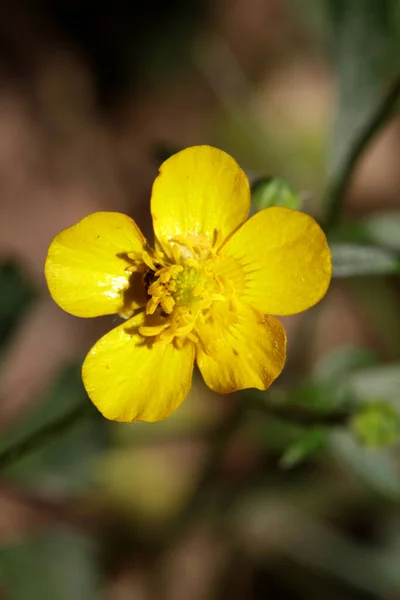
285,260
249,351
86,269
200,191
128,379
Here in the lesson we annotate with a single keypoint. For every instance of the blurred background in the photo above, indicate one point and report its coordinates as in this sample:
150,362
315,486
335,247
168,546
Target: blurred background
289,494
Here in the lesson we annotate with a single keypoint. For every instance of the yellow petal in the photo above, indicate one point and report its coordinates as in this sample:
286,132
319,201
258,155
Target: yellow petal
86,266
130,379
280,261
249,351
200,192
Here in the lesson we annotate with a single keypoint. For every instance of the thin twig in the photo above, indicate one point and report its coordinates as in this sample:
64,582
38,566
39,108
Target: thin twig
337,192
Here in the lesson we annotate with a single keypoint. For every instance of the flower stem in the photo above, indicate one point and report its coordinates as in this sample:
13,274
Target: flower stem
43,435
337,192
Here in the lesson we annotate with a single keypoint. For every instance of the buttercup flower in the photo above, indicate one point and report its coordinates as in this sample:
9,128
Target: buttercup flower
206,292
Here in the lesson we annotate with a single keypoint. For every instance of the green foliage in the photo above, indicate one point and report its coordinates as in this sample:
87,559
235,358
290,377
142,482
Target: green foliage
60,565
382,229
331,387
312,440
377,424
60,456
274,192
341,362
15,298
379,381
350,260
363,42
377,470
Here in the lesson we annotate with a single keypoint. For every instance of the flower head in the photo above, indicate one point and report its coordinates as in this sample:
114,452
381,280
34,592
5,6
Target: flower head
206,292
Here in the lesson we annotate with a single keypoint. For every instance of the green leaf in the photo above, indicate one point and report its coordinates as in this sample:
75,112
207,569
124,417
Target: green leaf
342,361
274,192
353,259
377,424
329,389
363,39
382,381
376,469
355,373
320,397
383,229
58,566
63,460
15,297
348,232
310,442
379,304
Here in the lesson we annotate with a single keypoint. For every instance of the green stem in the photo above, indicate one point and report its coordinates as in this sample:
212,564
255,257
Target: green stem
339,187
42,436
298,415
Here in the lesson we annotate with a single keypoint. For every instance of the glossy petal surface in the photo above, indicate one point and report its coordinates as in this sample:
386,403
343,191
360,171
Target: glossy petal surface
199,191
246,351
284,258
85,265
129,379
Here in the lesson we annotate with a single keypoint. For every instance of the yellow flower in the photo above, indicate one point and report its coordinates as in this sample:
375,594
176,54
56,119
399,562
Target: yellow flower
206,291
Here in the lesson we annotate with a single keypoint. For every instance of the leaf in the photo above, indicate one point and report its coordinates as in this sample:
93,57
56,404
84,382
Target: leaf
379,303
310,442
350,260
377,425
363,43
329,388
382,381
341,362
15,298
383,229
355,373
59,565
349,232
320,397
376,469
274,192
63,460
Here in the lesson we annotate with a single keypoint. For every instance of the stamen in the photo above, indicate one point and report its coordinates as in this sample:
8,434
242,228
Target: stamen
156,289
167,303
135,256
147,260
152,305
152,330
176,253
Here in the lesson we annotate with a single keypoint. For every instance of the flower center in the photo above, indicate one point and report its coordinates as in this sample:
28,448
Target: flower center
189,284
182,287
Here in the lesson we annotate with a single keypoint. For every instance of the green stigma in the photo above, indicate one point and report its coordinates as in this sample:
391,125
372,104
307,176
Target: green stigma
188,286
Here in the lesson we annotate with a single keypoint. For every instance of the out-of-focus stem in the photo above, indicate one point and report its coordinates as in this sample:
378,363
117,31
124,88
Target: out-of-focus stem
338,189
42,436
